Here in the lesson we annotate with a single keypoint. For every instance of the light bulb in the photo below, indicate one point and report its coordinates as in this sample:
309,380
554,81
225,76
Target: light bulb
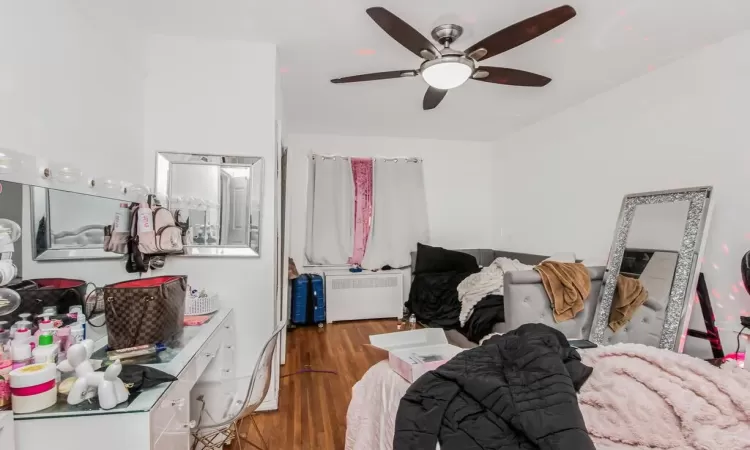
138,190
447,72
106,184
62,174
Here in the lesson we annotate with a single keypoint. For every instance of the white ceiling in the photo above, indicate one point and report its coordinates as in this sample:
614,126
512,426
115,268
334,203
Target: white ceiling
608,43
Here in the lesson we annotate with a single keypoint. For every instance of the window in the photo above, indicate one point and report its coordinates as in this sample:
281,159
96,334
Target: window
365,211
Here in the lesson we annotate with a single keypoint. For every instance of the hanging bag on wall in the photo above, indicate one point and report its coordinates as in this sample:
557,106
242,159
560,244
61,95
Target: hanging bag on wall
156,230
117,235
38,293
145,311
137,261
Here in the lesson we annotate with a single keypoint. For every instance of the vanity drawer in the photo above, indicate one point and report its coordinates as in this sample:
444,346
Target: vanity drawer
172,412
207,354
172,441
203,357
6,430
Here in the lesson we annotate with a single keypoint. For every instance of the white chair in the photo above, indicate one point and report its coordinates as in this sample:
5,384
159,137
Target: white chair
224,431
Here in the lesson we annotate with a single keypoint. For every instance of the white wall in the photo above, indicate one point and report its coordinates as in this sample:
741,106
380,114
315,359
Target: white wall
71,90
219,97
458,183
561,181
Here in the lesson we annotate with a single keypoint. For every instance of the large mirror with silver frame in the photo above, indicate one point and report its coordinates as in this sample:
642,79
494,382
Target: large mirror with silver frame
653,269
219,197
67,225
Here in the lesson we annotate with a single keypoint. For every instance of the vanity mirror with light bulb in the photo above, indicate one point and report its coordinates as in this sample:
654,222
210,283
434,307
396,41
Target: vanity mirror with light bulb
53,216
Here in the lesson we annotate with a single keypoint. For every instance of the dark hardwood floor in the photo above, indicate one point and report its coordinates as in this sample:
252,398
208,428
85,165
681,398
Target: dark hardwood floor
312,406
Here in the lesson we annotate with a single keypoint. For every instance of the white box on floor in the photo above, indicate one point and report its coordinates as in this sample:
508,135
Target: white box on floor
412,353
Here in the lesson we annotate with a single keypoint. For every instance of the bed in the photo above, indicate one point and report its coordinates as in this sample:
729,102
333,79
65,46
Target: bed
638,397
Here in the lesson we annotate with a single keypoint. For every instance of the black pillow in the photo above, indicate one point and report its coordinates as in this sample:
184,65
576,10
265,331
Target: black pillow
437,259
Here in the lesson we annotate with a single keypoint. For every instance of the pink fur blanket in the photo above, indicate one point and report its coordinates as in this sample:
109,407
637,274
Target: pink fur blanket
637,398
646,398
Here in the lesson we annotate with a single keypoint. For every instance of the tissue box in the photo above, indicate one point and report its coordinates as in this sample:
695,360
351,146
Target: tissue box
412,353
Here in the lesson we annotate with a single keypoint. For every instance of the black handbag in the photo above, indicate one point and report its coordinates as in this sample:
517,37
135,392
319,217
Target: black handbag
36,294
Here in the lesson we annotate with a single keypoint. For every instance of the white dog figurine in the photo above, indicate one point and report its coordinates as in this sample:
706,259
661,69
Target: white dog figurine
111,390
78,362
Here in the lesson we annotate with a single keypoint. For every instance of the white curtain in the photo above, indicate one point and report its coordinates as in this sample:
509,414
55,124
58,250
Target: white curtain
399,215
330,210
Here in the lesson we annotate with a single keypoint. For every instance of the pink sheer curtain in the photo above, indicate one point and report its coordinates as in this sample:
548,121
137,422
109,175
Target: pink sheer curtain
362,173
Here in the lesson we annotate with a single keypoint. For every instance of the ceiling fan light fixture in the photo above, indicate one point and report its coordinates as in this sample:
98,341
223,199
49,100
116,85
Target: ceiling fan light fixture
447,72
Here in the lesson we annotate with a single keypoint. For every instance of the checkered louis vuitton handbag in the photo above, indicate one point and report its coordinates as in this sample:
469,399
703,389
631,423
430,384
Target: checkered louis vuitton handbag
145,311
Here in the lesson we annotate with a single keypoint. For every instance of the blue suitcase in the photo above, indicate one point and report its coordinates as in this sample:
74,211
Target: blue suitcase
308,300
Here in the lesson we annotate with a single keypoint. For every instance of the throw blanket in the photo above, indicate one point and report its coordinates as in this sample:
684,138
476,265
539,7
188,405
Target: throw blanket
517,391
489,311
434,300
489,281
647,398
638,397
629,296
567,286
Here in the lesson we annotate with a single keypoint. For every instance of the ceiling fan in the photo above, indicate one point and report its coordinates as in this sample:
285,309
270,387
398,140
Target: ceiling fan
448,68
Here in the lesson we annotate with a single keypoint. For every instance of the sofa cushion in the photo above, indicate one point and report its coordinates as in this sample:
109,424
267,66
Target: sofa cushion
437,260
526,301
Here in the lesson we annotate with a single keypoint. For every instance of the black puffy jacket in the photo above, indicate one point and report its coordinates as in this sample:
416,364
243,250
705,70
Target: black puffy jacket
516,391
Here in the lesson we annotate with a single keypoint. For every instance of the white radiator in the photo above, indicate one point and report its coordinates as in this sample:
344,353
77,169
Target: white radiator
364,295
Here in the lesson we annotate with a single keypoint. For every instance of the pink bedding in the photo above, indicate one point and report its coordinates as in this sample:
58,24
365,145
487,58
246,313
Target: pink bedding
637,398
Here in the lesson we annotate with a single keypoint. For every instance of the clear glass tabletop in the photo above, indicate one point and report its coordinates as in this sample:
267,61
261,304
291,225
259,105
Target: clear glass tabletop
172,361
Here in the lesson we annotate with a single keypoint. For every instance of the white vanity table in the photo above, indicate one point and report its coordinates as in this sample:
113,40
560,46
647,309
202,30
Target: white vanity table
157,419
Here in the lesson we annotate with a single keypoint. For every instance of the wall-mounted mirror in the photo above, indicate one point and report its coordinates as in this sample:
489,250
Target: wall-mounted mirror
67,225
652,269
219,197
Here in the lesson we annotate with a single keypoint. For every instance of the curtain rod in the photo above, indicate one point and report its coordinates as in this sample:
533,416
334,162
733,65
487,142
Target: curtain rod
413,159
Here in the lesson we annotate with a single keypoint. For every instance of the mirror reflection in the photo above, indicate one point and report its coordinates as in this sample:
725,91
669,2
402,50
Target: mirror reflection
647,271
68,225
219,198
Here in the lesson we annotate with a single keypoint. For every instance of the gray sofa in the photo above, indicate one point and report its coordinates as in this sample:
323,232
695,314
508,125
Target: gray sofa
526,301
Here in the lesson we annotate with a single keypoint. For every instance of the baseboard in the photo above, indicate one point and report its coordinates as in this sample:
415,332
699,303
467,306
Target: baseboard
270,404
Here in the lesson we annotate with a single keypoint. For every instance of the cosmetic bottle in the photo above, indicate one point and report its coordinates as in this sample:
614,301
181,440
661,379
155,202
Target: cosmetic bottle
22,356
81,318
45,322
63,342
76,334
23,318
23,333
47,350
46,325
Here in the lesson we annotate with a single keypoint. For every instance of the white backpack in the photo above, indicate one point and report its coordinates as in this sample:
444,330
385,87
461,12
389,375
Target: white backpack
155,231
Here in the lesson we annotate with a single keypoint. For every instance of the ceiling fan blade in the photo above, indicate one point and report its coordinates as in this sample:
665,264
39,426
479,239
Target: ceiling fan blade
521,32
403,33
512,77
433,97
376,76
